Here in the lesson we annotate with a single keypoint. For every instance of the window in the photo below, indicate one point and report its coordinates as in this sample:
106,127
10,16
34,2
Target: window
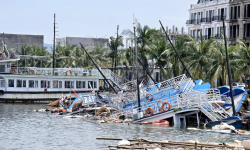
43,84
69,84
78,84
24,83
83,84
90,84
11,83
31,83
55,84
48,84
2,83
2,68
36,84
238,11
18,83
60,84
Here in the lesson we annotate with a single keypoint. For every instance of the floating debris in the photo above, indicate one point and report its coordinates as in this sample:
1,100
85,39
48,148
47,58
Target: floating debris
165,145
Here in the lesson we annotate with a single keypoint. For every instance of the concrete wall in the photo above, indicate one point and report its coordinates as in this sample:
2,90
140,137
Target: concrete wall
89,42
17,40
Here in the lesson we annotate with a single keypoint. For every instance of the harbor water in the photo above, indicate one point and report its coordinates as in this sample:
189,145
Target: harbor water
23,129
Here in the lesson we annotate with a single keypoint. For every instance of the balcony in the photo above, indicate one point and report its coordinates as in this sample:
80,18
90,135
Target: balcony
194,21
246,38
206,20
218,18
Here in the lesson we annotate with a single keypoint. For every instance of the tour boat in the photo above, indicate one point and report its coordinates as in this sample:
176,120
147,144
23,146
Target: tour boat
41,84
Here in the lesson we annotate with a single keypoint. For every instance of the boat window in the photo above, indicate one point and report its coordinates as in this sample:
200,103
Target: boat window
48,84
78,84
31,83
90,84
36,84
69,84
18,83
2,68
95,85
55,84
83,84
11,83
24,83
2,83
60,84
43,84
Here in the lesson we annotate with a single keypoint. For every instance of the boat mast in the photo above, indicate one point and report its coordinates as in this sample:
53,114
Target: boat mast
228,67
98,68
116,45
54,44
137,78
176,52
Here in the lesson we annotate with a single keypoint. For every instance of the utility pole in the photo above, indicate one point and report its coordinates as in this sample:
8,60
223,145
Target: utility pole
116,48
137,77
54,48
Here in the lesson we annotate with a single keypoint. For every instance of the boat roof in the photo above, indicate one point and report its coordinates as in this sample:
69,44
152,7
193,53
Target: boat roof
9,60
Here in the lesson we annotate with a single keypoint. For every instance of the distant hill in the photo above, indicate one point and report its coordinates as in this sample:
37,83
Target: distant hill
48,47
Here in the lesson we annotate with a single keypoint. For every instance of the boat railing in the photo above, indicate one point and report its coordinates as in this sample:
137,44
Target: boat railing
155,105
167,83
203,99
58,71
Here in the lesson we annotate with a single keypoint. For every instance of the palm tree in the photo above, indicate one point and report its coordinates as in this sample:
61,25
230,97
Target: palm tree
99,54
158,53
198,56
217,65
63,55
112,46
180,45
144,35
244,57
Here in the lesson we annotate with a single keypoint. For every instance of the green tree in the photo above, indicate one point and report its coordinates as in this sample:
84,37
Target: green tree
199,56
144,35
158,52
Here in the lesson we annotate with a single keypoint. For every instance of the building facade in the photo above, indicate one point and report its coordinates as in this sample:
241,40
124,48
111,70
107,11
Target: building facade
16,41
206,17
89,42
239,20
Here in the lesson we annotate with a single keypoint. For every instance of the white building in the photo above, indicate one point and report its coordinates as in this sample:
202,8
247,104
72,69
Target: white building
206,17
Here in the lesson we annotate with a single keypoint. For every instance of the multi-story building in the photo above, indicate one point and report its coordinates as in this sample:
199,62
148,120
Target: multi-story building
206,17
89,42
239,20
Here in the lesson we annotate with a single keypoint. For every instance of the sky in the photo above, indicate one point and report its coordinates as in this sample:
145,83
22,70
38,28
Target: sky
89,18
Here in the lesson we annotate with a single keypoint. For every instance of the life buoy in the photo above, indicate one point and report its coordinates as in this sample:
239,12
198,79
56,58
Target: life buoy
118,115
103,109
13,70
158,103
176,86
151,111
149,96
162,107
31,71
68,72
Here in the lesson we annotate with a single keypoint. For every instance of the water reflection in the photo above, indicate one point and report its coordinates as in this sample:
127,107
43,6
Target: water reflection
24,129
